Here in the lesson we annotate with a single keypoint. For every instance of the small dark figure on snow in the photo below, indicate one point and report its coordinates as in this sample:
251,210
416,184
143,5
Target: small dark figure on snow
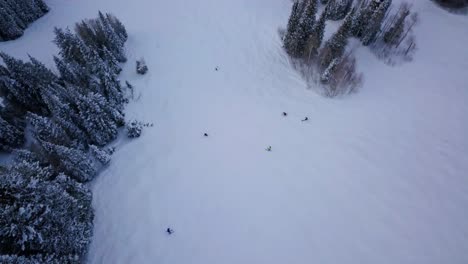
216,68
269,148
169,231
285,114
305,119
206,134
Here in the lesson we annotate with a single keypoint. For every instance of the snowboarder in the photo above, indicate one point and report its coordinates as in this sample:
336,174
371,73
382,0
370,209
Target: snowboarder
206,134
285,114
269,148
169,231
305,119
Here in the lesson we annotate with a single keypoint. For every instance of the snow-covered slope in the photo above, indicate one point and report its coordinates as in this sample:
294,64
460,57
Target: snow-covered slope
376,177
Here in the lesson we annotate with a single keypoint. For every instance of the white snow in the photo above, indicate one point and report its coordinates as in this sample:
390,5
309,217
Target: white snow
376,177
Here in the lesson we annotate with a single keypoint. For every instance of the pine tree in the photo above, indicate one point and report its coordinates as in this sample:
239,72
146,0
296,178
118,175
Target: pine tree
363,15
305,27
45,129
315,38
335,47
73,162
375,23
337,9
40,258
71,47
10,135
16,12
395,31
16,15
65,116
328,73
102,156
25,83
39,214
289,39
114,42
118,27
72,73
9,29
99,125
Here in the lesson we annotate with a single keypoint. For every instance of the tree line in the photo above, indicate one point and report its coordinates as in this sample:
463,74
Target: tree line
56,124
331,64
16,15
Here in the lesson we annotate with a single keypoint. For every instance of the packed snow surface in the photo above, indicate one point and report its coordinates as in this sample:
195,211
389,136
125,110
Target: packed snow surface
380,176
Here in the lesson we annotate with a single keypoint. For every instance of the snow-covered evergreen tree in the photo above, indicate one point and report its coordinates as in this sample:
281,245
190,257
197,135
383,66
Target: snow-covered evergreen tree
10,135
118,27
375,23
101,155
16,15
316,37
337,9
65,116
328,73
25,82
71,47
365,10
71,161
294,17
40,258
305,27
9,29
335,47
98,123
39,214
134,129
44,129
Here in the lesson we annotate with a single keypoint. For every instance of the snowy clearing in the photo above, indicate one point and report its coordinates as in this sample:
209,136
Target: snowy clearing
376,177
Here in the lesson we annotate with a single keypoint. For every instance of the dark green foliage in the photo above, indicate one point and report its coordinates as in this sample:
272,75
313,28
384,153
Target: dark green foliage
11,136
335,47
46,216
103,33
315,39
16,15
71,161
40,258
289,39
45,129
24,83
306,26
42,213
97,118
337,9
375,23
300,25
134,129
363,15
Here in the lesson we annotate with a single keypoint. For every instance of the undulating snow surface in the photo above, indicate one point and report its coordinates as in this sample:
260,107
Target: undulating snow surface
380,176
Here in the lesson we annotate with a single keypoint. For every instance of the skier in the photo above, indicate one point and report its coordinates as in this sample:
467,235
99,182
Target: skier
169,231
216,68
206,134
285,114
269,148
305,119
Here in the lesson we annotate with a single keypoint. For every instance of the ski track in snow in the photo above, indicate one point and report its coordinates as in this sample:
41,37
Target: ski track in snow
375,177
